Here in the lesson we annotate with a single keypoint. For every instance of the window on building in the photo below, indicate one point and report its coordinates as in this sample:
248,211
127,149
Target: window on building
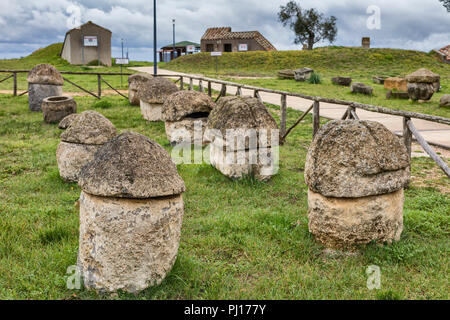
209,47
227,47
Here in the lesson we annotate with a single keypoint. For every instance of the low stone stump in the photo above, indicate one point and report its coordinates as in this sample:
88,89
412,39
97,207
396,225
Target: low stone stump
55,109
131,212
185,114
395,83
362,88
303,74
445,101
85,134
243,136
342,81
43,81
422,84
286,74
355,172
152,94
134,82
378,80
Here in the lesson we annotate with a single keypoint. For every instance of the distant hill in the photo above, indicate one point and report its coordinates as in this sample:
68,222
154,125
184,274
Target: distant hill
48,54
326,60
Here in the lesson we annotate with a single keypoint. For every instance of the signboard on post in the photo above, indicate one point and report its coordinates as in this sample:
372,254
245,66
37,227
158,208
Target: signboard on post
122,61
216,54
243,47
190,48
90,41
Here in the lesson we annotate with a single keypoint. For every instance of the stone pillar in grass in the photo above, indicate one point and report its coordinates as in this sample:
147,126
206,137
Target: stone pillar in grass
152,94
356,172
44,81
185,114
84,135
244,138
134,82
131,210
422,84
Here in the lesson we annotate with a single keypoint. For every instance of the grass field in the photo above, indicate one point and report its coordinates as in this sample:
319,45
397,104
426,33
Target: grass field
360,64
240,239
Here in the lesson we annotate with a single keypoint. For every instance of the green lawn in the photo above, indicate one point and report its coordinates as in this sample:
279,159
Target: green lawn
240,239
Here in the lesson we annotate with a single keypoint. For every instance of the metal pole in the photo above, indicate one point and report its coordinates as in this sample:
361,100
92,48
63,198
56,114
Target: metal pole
121,69
155,59
173,20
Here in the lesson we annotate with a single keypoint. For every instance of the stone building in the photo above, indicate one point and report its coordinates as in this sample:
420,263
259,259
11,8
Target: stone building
86,43
222,39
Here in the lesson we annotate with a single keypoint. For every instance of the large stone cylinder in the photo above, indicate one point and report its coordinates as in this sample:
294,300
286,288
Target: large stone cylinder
152,94
57,108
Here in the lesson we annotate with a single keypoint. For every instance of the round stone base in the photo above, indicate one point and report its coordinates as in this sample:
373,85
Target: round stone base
151,111
343,223
55,109
71,157
128,244
38,92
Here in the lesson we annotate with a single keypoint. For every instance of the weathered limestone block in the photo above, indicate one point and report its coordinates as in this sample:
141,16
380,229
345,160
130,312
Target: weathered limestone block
128,244
44,81
185,114
378,79
422,84
71,157
84,135
342,223
152,94
420,91
134,82
352,159
342,81
395,83
303,74
131,211
55,109
397,95
358,87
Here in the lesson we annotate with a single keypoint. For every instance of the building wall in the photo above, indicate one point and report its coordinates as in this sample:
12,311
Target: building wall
219,45
78,51
67,50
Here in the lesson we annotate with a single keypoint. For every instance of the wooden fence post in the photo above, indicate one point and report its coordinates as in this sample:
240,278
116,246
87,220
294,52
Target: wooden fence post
181,83
191,84
15,84
316,117
99,80
209,89
200,86
239,91
407,135
257,95
283,114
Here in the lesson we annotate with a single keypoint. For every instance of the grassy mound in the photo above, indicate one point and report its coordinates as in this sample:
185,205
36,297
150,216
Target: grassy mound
325,60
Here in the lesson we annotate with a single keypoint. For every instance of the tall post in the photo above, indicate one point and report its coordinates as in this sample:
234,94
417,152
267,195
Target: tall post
181,83
15,84
121,69
283,114
407,135
209,89
99,80
316,117
173,21
155,58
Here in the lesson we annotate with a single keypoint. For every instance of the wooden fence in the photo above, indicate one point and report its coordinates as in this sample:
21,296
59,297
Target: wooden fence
409,129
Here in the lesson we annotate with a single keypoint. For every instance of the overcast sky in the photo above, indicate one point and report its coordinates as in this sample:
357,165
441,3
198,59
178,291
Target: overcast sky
26,25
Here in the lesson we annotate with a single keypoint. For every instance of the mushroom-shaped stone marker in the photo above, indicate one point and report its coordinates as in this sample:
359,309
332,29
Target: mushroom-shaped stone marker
243,134
356,172
44,81
86,133
131,210
422,84
134,81
66,121
152,94
185,114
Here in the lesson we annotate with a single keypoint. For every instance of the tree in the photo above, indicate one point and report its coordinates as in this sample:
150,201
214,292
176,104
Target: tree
446,4
310,26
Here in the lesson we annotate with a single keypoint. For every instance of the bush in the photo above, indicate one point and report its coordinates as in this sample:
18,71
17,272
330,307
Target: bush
315,79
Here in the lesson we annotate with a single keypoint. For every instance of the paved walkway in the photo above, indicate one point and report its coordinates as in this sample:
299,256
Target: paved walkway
432,132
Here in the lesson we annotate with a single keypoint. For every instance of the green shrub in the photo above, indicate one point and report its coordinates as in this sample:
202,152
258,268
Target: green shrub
315,79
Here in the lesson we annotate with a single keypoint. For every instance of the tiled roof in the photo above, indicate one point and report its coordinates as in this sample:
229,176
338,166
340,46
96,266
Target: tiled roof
224,33
446,52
